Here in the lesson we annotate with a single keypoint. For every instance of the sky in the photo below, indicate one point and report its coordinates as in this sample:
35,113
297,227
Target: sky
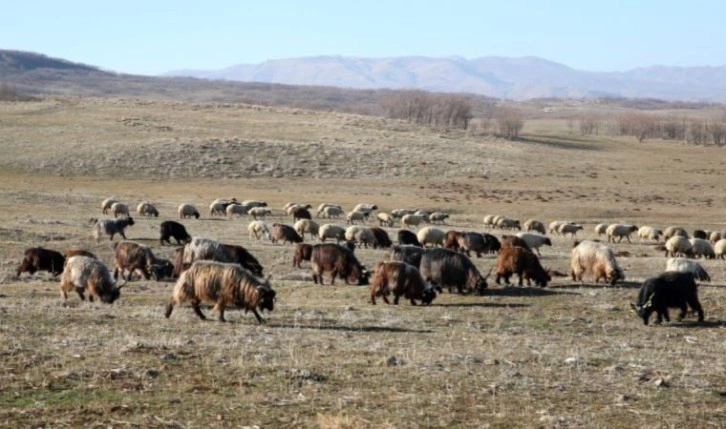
153,37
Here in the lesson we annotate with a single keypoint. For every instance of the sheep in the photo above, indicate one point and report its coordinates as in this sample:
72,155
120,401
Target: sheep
331,212
284,233
438,217
365,208
507,223
187,211
120,210
111,227
306,225
399,213
384,219
601,229
323,206
674,230
85,274
361,235
107,203
171,229
254,203
554,226
412,220
401,279
534,241
489,220
687,266
535,225
701,247
260,212
431,235
668,289
596,259
291,207
145,208
303,252
354,216
224,285
678,245
329,230
569,228
619,230
719,248
217,209
259,229
237,209
649,233
715,236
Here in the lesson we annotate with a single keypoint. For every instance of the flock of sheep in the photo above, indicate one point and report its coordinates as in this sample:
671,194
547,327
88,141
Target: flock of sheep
226,282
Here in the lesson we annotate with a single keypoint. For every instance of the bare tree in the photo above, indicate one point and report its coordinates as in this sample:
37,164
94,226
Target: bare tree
510,122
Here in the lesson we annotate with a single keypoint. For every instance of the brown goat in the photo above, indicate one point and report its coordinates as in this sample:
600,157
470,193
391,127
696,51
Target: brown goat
223,285
39,259
303,252
401,279
524,263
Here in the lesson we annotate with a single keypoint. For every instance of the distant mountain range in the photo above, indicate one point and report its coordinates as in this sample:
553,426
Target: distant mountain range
500,77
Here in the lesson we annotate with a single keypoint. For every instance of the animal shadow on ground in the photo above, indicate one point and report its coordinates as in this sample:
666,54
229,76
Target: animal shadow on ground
578,285
343,328
481,304
690,323
523,291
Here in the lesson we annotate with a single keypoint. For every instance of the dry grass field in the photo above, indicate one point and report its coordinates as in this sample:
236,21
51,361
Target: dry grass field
570,355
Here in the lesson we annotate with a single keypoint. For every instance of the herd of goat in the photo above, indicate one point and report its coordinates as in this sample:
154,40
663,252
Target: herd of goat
419,266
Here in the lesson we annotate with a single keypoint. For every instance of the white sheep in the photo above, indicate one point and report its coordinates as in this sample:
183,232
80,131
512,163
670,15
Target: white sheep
362,235
534,241
355,216
687,266
321,208
107,203
120,210
568,228
438,217
715,236
678,245
490,220
330,230
601,229
260,212
145,208
253,203
259,229
649,233
431,235
237,209
217,209
365,208
702,248
399,213
674,230
535,225
384,219
306,225
719,248
411,220
554,226
187,211
620,231
331,212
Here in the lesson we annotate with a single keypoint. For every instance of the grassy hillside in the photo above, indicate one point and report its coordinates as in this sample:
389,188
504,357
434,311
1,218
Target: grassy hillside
570,355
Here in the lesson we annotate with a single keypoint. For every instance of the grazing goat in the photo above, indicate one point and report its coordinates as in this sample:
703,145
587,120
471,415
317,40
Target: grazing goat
596,259
338,261
524,263
111,227
223,285
85,274
401,279
172,229
285,234
673,289
39,259
451,269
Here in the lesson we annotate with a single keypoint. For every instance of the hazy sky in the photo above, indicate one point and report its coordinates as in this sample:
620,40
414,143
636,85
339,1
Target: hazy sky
153,37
